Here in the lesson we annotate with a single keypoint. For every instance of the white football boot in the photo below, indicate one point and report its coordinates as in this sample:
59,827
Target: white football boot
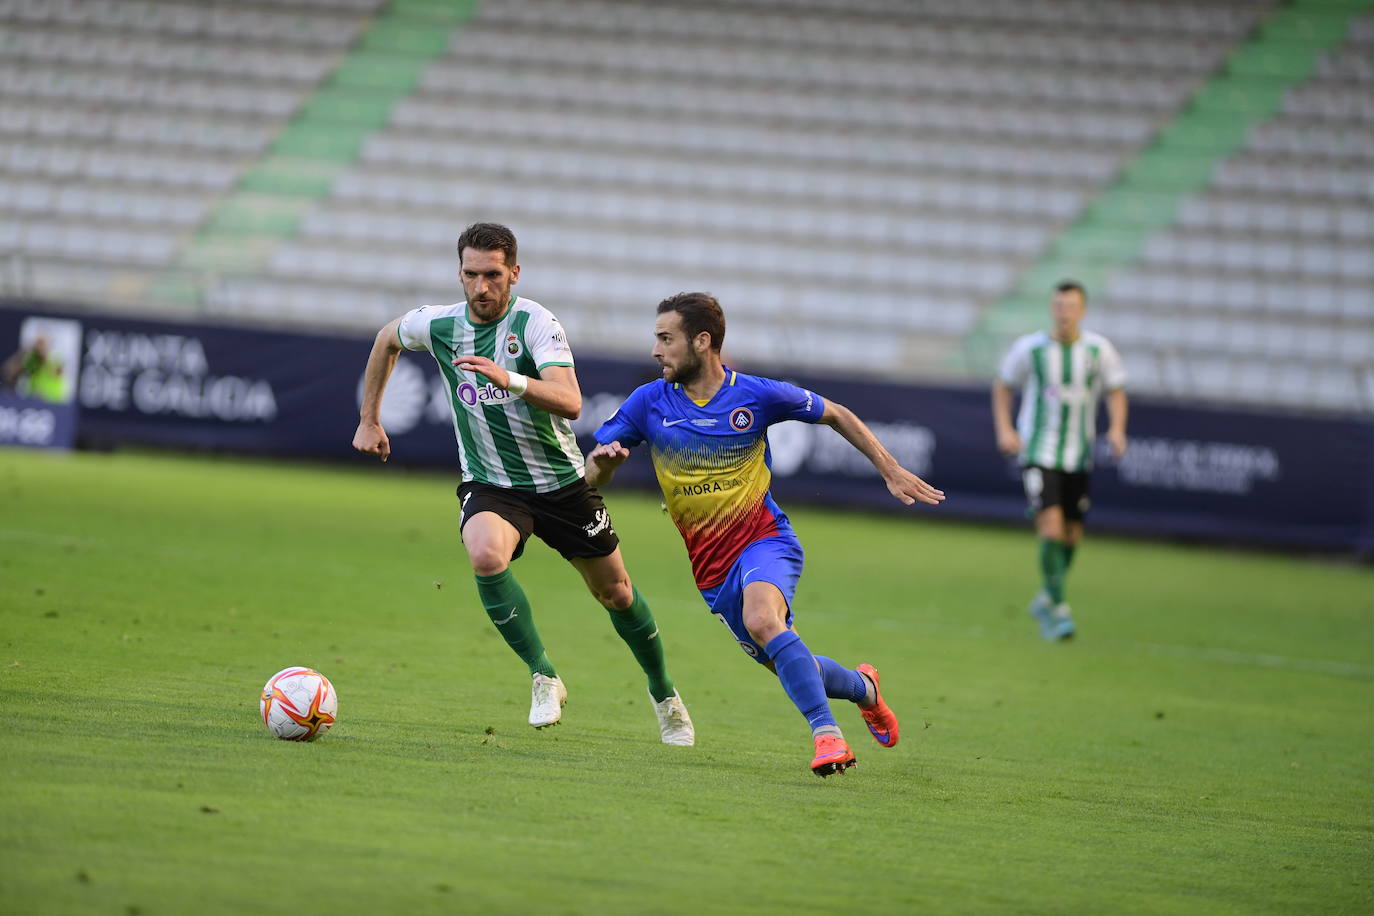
547,697
674,725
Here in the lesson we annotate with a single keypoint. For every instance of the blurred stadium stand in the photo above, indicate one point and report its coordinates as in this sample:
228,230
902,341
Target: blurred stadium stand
1262,288
864,183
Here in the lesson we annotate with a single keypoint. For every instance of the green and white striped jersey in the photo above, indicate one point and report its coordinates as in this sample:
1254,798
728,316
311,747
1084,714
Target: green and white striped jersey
502,440
1060,384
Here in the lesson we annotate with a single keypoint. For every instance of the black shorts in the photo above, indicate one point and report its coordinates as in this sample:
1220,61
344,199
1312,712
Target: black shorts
1046,488
573,520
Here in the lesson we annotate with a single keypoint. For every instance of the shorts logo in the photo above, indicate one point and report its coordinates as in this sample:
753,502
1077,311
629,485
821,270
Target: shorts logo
1034,481
512,346
741,418
600,522
749,648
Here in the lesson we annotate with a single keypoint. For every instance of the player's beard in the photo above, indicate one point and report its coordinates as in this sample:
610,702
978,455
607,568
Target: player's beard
493,309
687,371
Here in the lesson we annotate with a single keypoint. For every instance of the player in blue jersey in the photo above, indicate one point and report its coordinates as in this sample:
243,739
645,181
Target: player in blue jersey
706,426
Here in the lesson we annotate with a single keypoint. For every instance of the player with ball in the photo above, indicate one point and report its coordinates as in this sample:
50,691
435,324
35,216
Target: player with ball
509,372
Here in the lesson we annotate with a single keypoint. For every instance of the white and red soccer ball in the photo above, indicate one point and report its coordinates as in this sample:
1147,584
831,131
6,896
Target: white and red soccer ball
298,704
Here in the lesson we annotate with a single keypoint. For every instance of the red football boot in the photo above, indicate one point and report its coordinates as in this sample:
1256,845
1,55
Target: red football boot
832,756
881,720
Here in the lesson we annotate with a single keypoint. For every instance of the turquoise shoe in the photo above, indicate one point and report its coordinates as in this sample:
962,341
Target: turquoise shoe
1041,609
1060,625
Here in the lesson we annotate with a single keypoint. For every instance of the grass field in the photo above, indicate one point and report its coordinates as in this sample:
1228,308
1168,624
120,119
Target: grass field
1205,746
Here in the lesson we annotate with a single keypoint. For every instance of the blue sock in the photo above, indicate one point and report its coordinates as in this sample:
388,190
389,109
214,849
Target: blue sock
796,668
842,683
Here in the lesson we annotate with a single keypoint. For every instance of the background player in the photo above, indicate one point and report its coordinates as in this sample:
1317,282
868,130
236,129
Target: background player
706,426
1063,374
509,370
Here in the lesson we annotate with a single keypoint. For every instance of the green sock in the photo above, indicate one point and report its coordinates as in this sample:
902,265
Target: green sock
636,626
509,609
1052,566
1068,557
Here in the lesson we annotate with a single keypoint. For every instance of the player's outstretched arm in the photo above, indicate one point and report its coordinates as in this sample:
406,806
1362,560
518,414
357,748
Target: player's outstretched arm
370,437
556,391
602,462
901,483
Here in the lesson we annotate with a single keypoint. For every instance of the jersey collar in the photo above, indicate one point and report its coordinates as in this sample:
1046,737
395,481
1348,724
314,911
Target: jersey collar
730,376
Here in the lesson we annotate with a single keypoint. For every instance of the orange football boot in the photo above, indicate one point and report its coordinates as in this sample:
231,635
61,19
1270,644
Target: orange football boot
832,756
880,719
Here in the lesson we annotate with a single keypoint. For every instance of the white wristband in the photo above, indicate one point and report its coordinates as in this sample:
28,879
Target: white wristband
518,384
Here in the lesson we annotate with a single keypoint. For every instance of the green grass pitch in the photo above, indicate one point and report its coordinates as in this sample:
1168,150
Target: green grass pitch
1205,746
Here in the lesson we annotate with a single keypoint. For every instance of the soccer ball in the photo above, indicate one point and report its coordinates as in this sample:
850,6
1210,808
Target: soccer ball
298,704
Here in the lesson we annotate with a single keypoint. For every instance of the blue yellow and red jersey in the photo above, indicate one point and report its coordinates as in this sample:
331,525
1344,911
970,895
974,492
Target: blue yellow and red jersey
712,460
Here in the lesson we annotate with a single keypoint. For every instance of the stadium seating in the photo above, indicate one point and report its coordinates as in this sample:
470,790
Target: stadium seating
121,124
739,149
1261,290
860,181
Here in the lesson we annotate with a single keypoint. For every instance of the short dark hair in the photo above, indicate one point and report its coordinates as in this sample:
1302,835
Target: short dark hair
488,237
1071,286
699,312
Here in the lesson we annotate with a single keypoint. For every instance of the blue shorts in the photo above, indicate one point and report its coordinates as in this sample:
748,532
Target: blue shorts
777,560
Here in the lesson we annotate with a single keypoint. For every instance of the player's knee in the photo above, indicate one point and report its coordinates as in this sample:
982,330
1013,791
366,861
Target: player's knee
1050,526
488,561
618,595
764,633
763,625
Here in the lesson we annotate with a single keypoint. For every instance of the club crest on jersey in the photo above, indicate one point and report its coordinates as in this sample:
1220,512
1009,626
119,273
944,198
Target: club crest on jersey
512,346
741,418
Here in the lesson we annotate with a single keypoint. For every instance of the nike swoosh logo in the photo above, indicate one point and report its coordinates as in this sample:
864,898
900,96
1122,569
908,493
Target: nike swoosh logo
666,422
507,620
653,635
